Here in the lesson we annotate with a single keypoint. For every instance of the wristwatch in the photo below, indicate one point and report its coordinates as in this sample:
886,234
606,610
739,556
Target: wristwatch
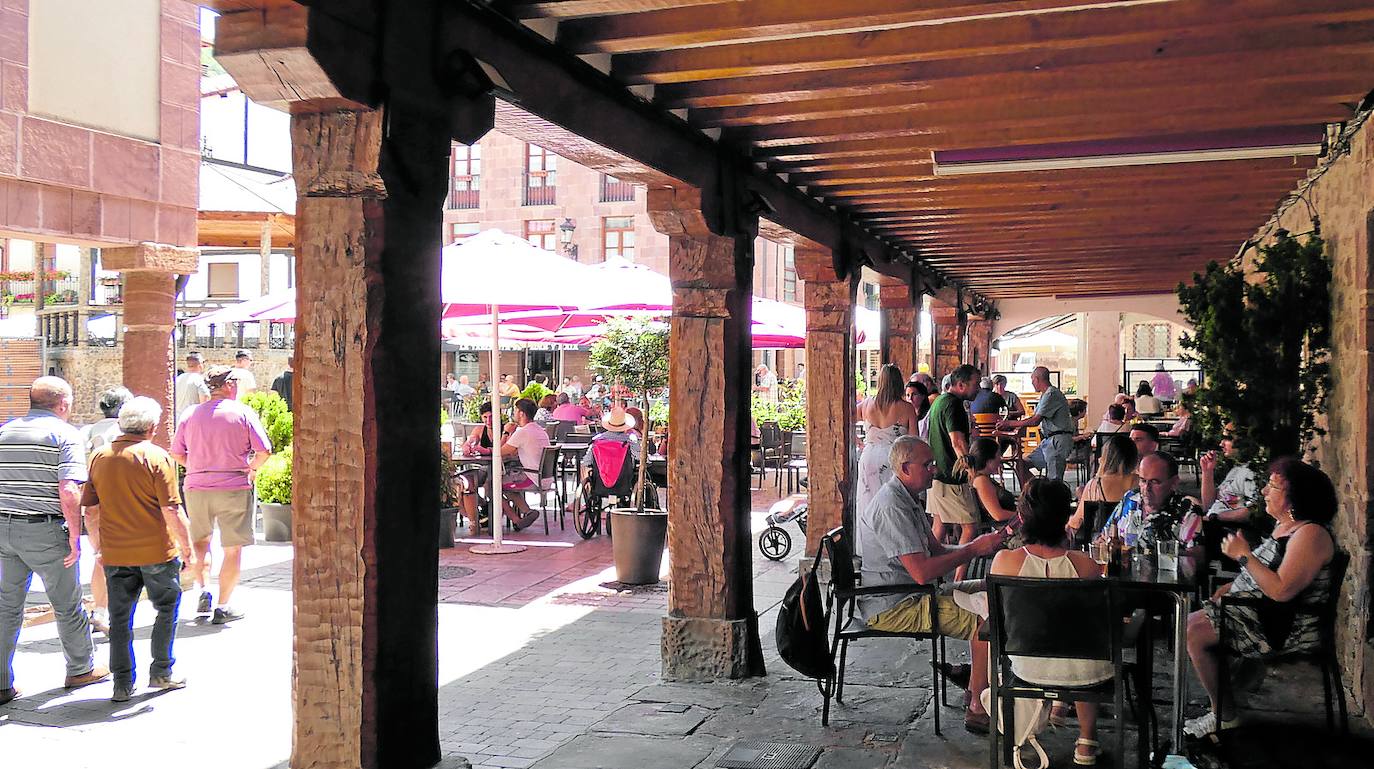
1243,560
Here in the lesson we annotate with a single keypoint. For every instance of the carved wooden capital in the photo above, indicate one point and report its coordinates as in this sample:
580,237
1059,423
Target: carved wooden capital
700,302
152,257
676,212
894,295
814,265
265,50
900,320
335,154
701,262
829,305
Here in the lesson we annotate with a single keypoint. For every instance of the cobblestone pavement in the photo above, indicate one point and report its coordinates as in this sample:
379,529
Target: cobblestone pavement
544,662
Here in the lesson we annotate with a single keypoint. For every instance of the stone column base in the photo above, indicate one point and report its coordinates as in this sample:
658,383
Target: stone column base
697,649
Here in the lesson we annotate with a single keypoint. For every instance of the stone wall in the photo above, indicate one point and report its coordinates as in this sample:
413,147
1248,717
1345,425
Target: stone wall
93,370
1344,200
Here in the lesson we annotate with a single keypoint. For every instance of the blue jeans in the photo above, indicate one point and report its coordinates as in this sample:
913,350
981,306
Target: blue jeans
38,546
163,582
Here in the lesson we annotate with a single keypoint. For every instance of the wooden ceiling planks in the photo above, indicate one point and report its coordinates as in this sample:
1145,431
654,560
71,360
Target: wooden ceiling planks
848,101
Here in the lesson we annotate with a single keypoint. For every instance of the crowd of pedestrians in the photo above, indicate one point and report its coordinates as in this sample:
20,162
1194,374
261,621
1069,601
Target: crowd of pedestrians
149,515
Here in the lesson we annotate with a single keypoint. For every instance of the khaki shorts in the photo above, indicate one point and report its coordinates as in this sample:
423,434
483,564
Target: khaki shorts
231,509
913,616
952,503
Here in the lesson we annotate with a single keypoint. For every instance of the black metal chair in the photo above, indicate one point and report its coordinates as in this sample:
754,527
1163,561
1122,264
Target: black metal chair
1095,514
843,599
770,449
795,464
1063,618
1324,655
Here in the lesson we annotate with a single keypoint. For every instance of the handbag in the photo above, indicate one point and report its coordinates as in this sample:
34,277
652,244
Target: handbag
1029,717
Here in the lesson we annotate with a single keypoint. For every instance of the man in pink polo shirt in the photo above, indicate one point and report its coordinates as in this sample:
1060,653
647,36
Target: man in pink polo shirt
222,444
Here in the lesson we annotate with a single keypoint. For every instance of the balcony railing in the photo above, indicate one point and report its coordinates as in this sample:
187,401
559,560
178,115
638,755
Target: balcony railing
540,189
614,190
464,193
102,325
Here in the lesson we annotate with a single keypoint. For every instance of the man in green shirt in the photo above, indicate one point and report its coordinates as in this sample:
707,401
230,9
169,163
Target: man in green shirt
950,498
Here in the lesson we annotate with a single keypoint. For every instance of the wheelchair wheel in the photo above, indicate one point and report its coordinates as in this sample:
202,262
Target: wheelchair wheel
587,514
775,543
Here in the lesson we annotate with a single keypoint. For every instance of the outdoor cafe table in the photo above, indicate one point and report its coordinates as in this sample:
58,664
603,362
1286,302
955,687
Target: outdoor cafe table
1144,577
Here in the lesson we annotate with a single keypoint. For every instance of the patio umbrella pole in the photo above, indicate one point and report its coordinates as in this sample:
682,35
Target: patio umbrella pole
498,516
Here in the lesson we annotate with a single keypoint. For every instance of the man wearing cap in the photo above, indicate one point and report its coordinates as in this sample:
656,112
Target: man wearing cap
247,382
42,467
221,443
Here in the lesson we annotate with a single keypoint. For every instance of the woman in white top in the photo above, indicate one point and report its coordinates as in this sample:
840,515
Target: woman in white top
889,416
1045,506
1145,400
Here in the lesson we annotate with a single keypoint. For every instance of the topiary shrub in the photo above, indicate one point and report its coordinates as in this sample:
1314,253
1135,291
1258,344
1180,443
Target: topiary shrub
271,409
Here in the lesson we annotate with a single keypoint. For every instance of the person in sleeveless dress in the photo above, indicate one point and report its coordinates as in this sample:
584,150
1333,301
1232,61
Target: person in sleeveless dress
1290,568
1045,506
889,416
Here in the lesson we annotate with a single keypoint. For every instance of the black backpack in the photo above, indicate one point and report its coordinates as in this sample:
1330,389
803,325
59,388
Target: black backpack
803,624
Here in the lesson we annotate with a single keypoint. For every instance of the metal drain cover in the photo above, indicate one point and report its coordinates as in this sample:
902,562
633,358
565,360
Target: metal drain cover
454,572
750,754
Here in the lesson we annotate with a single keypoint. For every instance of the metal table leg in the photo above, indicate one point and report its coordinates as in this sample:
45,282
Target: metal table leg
1180,671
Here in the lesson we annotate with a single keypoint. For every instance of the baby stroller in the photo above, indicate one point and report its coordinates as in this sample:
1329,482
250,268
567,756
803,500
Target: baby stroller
774,542
610,459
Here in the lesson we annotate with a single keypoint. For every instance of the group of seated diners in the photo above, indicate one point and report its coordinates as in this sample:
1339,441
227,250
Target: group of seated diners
1035,536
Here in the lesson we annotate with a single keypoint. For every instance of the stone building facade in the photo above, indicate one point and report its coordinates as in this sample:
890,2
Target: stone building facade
1343,199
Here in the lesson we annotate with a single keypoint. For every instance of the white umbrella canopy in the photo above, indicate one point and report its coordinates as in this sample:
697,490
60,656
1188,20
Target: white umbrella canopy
497,268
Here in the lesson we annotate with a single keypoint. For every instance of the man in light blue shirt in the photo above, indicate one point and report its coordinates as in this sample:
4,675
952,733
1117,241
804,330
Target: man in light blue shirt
1056,430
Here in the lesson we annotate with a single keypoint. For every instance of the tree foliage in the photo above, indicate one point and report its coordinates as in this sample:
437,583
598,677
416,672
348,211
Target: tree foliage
273,480
634,352
1262,343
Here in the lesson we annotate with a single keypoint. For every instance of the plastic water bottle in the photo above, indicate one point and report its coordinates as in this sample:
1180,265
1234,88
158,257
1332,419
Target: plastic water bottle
1177,762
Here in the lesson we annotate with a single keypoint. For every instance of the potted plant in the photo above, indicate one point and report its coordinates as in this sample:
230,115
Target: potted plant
273,488
273,483
634,353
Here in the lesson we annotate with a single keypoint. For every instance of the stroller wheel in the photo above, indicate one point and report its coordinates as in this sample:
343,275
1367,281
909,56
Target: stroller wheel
801,522
775,543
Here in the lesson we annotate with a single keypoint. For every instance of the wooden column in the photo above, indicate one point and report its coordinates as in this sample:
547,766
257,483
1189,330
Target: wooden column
150,273
829,304
711,631
366,447
83,294
901,326
948,339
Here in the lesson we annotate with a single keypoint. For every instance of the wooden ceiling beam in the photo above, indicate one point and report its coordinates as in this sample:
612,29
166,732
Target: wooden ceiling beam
1331,79
1154,24
692,26
851,189
1044,122
1232,169
573,9
1073,69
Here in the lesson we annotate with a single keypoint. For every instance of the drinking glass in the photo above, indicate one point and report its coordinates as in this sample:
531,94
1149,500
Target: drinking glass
1167,552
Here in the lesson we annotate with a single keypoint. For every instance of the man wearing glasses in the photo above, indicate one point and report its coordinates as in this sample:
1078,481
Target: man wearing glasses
898,547
222,444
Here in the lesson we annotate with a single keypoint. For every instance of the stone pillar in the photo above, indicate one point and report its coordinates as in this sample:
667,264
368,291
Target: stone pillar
711,631
150,273
901,326
980,344
1099,359
829,392
947,340
42,252
83,294
264,273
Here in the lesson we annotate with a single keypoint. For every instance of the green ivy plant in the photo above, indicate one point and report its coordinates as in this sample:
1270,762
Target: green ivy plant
633,352
1263,345
535,392
273,481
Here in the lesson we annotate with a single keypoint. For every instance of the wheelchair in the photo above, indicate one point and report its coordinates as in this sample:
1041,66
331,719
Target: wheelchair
596,496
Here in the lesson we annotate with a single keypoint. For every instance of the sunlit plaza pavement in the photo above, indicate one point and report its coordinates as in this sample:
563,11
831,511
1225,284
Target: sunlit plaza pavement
543,661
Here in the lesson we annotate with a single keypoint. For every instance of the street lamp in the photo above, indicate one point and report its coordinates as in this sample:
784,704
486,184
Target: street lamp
565,236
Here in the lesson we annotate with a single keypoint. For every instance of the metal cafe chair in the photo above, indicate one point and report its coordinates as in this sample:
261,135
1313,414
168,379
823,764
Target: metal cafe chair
1062,618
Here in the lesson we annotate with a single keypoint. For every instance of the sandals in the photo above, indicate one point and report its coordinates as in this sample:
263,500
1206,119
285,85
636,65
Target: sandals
1089,759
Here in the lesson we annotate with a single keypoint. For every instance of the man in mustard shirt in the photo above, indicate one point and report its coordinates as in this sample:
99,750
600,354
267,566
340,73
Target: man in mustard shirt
133,511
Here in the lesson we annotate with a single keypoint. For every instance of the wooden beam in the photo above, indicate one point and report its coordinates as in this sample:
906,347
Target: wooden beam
1148,24
572,9
1073,68
691,25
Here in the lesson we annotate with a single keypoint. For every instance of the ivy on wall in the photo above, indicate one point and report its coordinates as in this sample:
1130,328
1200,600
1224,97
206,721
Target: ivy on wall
1263,343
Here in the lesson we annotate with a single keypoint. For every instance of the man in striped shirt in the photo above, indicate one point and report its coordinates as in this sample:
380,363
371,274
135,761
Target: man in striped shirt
42,467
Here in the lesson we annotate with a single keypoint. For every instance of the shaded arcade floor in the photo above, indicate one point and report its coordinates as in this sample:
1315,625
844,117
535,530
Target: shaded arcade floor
545,661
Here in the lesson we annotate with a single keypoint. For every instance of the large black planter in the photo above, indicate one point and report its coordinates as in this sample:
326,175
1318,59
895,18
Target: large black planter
638,544
448,521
